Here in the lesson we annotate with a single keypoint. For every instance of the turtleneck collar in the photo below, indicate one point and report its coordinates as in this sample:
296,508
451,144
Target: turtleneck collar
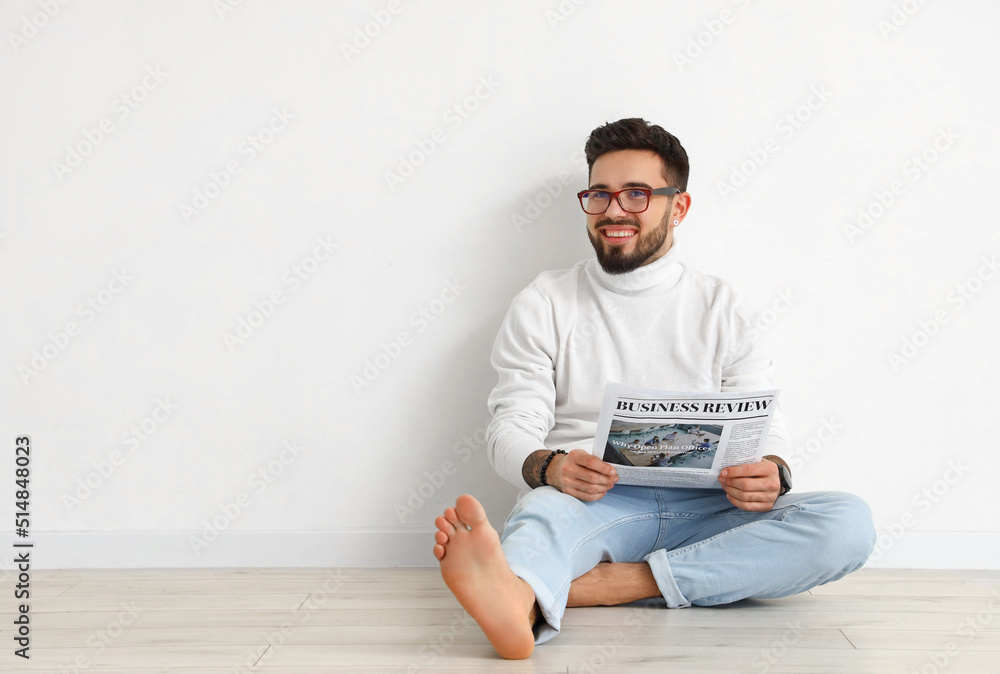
662,275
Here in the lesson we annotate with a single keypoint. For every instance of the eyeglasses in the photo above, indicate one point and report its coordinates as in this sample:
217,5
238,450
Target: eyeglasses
632,200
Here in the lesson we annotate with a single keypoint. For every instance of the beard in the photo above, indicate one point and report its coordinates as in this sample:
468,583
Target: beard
614,260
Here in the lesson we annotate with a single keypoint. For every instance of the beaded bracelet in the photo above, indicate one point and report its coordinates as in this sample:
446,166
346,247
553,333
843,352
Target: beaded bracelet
545,465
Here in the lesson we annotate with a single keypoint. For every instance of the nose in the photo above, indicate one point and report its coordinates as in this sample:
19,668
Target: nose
616,212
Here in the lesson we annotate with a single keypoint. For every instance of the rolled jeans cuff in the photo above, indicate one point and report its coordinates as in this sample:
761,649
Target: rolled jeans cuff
660,567
548,626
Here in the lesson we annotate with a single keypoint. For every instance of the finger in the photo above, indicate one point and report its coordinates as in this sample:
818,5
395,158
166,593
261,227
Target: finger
751,501
591,462
589,477
759,469
586,495
593,476
588,480
751,491
755,483
585,487
581,464
749,483
750,506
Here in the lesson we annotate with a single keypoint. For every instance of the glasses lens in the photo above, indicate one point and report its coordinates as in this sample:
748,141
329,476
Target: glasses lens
634,201
595,202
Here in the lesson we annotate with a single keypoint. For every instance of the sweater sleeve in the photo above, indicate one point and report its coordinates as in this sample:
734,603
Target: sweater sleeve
746,368
523,402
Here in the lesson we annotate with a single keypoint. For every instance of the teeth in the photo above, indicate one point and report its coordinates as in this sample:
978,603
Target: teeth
619,234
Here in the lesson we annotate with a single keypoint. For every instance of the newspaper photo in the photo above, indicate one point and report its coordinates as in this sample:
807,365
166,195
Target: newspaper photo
664,439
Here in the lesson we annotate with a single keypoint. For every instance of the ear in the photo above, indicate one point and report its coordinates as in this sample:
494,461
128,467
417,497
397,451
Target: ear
679,210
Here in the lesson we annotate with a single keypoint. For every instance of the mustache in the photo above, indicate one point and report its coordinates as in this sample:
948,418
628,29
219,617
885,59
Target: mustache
608,221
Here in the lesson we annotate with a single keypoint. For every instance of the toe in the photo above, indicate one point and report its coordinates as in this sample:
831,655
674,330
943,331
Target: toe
470,511
451,515
439,552
445,526
441,538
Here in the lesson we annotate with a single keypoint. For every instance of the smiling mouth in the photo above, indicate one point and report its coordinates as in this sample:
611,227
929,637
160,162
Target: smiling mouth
618,234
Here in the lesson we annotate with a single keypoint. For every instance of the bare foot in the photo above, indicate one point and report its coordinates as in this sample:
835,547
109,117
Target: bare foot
476,571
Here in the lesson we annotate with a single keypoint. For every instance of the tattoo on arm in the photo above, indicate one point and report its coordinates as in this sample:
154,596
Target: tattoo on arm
531,469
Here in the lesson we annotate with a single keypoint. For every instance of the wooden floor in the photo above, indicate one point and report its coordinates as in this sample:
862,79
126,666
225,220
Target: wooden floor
303,621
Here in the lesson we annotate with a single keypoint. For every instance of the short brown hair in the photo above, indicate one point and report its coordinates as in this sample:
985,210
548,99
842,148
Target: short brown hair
638,134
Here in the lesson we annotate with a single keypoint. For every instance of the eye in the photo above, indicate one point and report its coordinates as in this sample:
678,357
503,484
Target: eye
635,194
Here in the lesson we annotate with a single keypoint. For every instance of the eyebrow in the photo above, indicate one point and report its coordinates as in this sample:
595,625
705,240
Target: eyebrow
602,186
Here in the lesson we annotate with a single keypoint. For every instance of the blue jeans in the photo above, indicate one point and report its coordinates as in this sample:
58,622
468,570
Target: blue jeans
702,550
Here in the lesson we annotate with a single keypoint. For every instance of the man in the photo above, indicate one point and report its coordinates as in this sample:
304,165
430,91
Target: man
636,315
660,460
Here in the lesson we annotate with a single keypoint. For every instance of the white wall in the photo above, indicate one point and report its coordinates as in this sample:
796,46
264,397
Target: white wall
554,72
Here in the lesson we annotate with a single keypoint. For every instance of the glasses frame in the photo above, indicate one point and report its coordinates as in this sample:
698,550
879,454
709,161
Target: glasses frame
658,192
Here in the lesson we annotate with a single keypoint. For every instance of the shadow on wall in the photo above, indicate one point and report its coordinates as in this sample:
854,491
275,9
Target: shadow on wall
450,410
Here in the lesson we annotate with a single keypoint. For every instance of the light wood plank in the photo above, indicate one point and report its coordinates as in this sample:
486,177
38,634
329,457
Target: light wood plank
496,667
208,621
868,662
164,602
238,617
287,585
670,657
707,637
989,577
965,639
157,669
750,617
44,588
178,657
230,635
667,619
466,633
922,588
864,603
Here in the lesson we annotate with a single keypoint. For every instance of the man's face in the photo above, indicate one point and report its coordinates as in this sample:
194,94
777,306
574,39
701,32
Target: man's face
626,241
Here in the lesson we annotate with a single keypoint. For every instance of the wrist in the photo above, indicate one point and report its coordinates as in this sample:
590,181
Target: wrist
532,467
548,468
784,474
774,458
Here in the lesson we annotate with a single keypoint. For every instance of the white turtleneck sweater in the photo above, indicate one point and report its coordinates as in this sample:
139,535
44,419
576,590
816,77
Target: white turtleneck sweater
663,326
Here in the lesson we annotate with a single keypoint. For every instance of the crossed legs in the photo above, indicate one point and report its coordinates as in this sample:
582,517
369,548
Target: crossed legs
476,569
680,546
610,584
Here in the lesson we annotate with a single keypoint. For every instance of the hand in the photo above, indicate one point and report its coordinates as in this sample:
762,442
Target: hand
751,486
581,475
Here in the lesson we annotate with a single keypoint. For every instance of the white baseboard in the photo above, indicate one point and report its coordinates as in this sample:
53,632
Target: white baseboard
937,550
393,547
169,549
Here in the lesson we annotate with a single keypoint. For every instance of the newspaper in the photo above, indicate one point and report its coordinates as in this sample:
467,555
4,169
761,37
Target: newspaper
663,439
